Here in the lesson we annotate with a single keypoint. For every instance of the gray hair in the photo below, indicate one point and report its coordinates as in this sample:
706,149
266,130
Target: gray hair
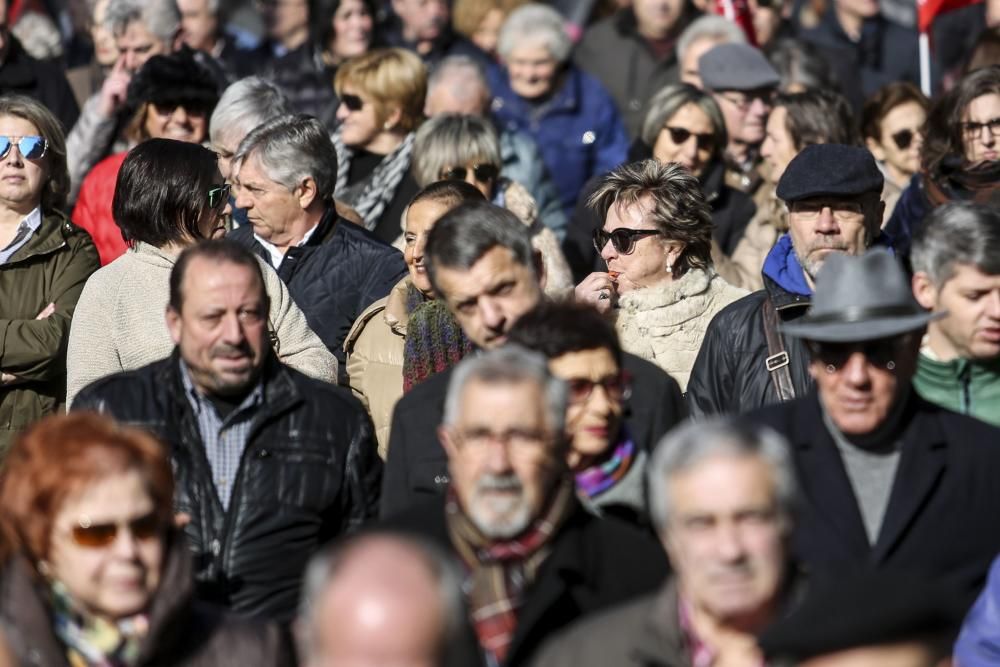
453,139
246,104
327,564
670,100
709,26
694,442
535,23
460,67
290,149
161,17
958,232
510,364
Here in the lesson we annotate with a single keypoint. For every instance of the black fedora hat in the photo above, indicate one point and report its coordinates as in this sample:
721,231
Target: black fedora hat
860,298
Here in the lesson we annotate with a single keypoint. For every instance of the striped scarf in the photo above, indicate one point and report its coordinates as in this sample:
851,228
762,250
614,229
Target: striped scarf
92,641
371,196
499,573
597,479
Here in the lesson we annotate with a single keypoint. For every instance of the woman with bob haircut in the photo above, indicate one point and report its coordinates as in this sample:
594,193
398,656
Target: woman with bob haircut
169,195
892,124
94,571
44,262
381,105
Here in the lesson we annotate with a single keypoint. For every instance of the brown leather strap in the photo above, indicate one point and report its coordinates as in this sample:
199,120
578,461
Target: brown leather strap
777,360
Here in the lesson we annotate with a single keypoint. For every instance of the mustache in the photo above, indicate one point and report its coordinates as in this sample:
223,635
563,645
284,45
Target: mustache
509,482
227,350
828,244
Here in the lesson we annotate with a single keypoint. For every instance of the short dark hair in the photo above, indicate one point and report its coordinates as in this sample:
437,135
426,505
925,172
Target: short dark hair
885,99
555,328
448,193
818,117
162,189
220,251
470,230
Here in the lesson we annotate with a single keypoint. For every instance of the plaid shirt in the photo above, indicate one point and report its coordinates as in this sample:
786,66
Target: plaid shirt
224,439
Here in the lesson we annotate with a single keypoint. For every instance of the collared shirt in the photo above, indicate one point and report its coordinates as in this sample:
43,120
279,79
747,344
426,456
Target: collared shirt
224,439
702,655
25,229
275,254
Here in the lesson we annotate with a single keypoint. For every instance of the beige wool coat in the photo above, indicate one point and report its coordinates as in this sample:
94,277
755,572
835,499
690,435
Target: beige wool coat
665,324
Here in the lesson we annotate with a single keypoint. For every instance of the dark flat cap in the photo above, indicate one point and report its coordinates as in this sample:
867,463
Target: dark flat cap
867,609
736,67
830,169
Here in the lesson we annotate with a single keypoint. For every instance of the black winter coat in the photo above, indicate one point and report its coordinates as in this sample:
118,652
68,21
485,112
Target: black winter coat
417,466
943,507
341,270
310,472
42,81
729,375
595,563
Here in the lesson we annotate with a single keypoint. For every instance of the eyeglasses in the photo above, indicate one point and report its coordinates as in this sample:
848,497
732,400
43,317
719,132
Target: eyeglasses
881,353
622,239
972,129
219,196
352,102
680,135
742,101
514,438
842,211
484,173
97,535
616,387
903,138
31,147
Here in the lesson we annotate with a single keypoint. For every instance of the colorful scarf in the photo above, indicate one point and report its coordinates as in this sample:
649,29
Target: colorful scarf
598,478
499,573
92,641
434,341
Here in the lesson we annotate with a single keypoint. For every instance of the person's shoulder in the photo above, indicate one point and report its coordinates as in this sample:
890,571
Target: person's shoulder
362,323
108,166
972,436
598,34
646,372
738,312
602,631
430,391
353,238
120,393
320,393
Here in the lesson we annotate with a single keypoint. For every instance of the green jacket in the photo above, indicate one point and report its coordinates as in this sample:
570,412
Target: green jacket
52,267
962,385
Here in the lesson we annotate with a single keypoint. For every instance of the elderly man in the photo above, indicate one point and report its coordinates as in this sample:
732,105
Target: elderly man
743,83
956,260
424,27
383,599
722,497
705,33
892,482
535,559
269,463
480,262
285,172
833,195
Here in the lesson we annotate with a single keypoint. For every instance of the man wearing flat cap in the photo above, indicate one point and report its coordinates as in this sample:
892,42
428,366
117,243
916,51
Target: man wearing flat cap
891,482
833,195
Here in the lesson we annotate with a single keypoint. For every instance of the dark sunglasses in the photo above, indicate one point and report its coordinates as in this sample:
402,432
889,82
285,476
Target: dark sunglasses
680,135
32,147
190,108
97,535
616,387
622,239
218,196
352,102
881,353
484,173
903,139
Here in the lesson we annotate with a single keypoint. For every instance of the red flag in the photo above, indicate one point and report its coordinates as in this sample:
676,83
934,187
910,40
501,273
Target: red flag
927,10
737,11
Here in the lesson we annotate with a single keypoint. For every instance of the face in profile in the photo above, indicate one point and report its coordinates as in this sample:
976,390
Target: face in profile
970,298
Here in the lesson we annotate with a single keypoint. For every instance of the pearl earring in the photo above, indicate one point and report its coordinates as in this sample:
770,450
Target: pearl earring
670,269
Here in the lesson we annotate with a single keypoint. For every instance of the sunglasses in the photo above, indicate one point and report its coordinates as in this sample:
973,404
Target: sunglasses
622,239
32,147
97,535
680,135
190,108
903,139
616,387
484,173
881,353
218,196
352,102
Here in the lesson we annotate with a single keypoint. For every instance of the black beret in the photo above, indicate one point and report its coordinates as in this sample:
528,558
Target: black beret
174,78
830,169
862,610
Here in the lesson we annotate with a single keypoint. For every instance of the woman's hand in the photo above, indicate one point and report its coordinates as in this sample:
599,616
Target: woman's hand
600,290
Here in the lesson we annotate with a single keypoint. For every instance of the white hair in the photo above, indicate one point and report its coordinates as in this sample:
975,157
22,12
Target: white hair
534,23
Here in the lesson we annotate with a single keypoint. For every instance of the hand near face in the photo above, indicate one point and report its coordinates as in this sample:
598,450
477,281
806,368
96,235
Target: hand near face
599,290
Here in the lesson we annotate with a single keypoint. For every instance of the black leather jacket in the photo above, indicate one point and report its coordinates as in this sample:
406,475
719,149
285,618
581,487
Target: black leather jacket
310,471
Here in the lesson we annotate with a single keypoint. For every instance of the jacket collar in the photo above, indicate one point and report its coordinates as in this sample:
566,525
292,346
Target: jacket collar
396,315
49,237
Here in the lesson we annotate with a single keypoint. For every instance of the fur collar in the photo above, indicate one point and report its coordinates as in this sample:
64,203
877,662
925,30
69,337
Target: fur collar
694,283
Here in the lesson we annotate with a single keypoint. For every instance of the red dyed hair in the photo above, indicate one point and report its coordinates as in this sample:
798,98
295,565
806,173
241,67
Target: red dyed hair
60,456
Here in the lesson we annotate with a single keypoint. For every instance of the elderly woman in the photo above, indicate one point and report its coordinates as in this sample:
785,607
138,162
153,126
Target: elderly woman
381,104
657,243
169,195
173,97
466,148
569,114
44,262
480,20
94,571
383,358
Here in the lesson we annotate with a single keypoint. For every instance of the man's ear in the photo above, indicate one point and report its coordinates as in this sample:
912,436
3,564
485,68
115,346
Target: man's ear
444,435
540,268
924,290
174,325
306,192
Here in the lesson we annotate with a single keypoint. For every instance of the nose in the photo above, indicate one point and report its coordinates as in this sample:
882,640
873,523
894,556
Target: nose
342,111
608,252
180,115
729,543
689,149
493,315
125,545
131,61
418,247
599,402
232,329
242,200
758,107
498,457
993,305
856,370
826,223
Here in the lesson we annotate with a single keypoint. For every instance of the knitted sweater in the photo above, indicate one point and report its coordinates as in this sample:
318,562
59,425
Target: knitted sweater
665,324
119,323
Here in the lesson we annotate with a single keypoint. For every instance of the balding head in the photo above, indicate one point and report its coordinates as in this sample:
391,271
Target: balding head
457,85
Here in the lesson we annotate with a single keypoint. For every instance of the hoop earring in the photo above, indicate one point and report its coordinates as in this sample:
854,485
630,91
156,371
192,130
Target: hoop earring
891,366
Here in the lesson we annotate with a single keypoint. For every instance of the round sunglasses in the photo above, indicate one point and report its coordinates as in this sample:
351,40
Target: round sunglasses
903,138
31,147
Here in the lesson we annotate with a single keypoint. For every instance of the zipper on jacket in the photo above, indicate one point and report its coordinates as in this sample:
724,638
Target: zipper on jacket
965,382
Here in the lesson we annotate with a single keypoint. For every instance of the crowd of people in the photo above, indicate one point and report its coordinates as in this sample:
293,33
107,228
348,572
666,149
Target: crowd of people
493,332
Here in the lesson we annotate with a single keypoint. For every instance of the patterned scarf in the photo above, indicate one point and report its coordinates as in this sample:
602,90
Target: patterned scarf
92,641
499,573
371,196
434,341
598,478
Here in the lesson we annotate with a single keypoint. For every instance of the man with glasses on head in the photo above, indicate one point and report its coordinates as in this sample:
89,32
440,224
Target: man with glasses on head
891,481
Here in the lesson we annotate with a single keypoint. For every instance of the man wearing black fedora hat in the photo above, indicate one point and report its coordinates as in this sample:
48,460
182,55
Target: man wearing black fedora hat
890,481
